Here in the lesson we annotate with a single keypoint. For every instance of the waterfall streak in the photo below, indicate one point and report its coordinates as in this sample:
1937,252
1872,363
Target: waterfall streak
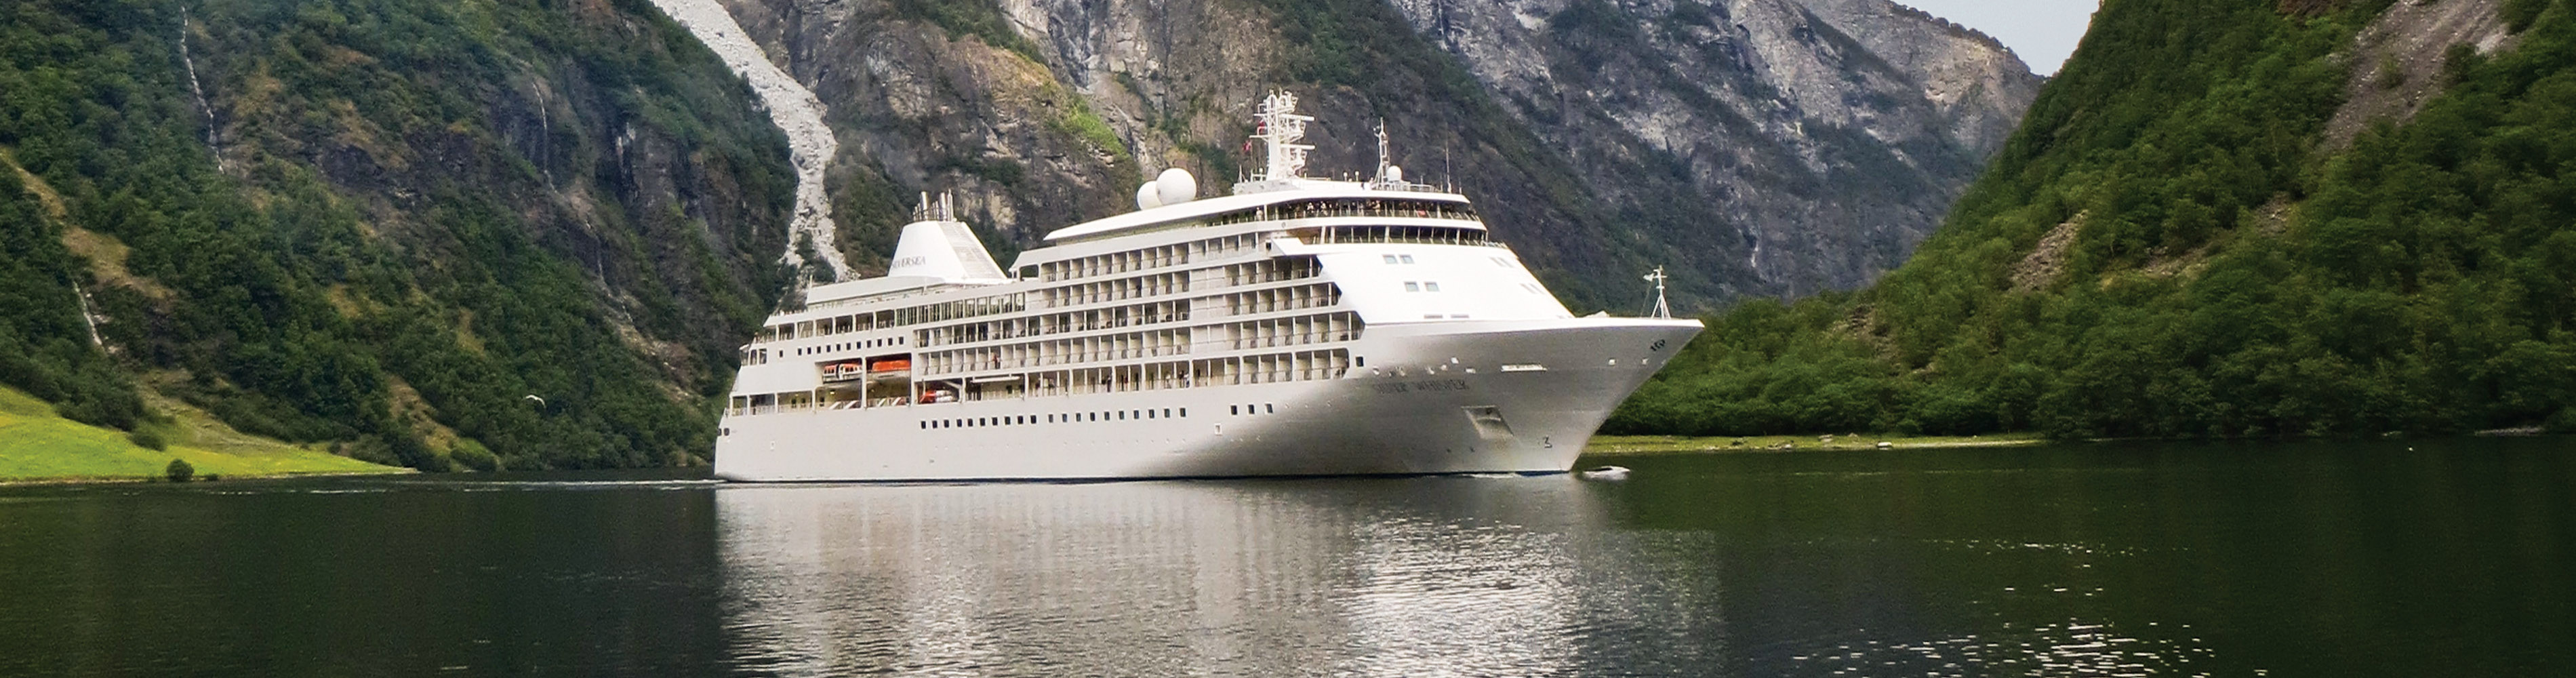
792,108
200,91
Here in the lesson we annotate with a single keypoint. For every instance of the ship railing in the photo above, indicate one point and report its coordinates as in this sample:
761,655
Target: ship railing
1293,339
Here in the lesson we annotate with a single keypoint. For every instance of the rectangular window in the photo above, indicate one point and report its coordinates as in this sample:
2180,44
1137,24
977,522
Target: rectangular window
1410,286
1390,258
1431,287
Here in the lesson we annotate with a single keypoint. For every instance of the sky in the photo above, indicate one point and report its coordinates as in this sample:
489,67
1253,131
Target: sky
2042,32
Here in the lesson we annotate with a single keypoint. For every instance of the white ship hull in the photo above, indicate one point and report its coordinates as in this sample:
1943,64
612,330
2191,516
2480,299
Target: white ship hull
1297,327
1410,414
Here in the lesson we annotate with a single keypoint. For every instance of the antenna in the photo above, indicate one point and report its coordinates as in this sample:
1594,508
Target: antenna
1279,129
1662,309
1384,158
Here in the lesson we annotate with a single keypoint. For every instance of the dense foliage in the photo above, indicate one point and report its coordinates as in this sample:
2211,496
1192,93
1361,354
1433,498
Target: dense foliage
2227,274
385,222
45,346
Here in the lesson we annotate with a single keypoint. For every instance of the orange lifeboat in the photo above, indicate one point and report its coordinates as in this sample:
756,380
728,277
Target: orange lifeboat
897,365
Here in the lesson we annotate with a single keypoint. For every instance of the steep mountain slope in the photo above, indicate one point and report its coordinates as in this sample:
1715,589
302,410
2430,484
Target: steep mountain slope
531,234
2220,219
423,232
1757,146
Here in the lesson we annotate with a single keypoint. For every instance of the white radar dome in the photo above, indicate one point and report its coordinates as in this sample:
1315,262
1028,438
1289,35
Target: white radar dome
1146,199
1395,173
1175,186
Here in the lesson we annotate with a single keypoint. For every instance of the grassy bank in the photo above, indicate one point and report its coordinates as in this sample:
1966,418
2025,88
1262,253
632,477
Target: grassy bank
1862,441
37,444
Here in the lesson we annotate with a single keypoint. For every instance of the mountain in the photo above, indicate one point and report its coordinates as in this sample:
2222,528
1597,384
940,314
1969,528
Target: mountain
418,232
2300,218
1763,146
532,234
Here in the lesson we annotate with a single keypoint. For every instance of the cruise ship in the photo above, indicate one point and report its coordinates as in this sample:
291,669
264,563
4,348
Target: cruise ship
1299,326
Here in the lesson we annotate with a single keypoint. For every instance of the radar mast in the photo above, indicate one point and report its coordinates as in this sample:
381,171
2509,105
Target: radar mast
1662,310
1280,129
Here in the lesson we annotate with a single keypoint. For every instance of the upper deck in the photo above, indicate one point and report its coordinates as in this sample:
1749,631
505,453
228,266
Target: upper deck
1274,283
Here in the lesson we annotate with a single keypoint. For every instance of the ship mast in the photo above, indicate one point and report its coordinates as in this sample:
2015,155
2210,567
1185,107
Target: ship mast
1280,129
1662,309
1384,158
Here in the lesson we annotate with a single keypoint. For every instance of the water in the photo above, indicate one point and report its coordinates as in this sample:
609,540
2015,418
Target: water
2346,559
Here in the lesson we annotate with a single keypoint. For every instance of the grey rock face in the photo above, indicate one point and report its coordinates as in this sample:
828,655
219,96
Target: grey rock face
1824,138
1759,147
1977,85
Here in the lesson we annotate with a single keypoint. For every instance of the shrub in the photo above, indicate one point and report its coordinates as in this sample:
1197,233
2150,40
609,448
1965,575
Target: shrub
2519,15
147,439
474,455
179,471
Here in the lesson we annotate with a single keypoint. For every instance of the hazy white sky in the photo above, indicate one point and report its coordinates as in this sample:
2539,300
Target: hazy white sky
2043,32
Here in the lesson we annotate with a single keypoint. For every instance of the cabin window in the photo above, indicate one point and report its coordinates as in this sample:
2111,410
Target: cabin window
1431,287
1410,286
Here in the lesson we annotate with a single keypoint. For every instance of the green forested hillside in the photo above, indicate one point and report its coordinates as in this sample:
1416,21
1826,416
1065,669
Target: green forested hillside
381,224
2167,248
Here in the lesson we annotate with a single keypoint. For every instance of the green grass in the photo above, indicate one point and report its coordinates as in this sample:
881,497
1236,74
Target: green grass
37,444
1861,441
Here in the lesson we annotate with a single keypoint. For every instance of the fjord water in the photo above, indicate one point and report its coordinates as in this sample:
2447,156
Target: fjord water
2395,558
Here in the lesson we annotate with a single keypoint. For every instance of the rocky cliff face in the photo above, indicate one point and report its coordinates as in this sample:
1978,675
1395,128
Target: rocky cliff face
1760,146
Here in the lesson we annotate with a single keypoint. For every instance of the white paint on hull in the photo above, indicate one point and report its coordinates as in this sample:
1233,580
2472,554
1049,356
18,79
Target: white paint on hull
1407,413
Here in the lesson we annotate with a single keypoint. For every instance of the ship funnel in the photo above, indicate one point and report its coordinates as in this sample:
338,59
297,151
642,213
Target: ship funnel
937,245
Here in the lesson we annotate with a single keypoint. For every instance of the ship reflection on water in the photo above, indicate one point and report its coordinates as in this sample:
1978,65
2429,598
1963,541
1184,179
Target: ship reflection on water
1414,576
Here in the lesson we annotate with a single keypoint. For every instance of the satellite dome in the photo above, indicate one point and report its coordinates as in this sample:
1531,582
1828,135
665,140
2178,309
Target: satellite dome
1146,198
1175,186
1395,173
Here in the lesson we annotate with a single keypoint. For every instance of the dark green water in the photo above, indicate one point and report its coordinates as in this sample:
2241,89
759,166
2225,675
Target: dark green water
2332,559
